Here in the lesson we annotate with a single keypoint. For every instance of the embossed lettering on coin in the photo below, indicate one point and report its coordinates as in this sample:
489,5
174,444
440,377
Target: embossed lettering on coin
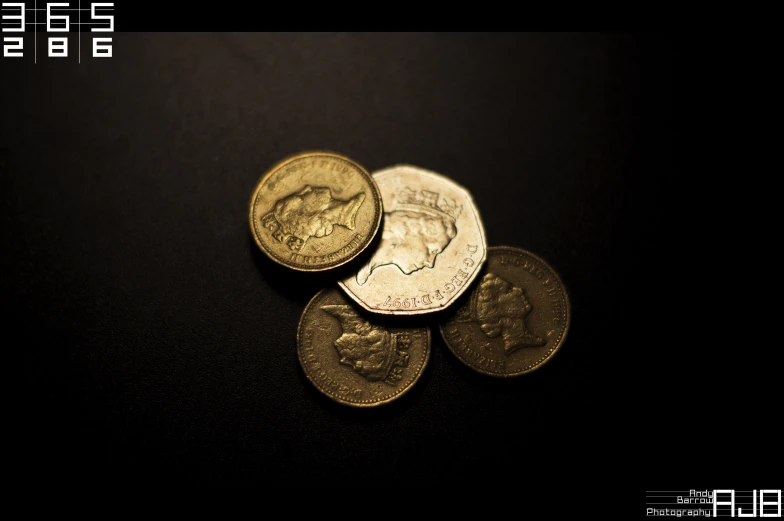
311,212
370,350
415,233
432,245
514,320
315,211
355,360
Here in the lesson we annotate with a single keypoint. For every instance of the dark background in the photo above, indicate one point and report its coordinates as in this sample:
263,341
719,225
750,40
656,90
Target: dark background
159,344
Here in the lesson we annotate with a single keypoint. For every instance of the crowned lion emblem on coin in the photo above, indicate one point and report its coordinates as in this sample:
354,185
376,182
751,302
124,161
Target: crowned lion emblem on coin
370,350
421,226
311,212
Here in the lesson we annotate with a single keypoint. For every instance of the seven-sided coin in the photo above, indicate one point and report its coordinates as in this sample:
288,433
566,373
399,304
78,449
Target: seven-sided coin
432,245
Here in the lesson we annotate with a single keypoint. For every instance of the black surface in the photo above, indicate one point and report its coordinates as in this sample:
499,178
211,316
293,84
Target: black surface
160,344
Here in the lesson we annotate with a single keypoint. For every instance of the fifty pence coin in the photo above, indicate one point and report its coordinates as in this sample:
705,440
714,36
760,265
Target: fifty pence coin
315,211
515,318
432,245
355,360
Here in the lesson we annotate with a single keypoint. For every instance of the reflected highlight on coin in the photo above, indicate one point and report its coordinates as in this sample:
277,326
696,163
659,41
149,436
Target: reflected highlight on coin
515,318
315,211
432,245
354,360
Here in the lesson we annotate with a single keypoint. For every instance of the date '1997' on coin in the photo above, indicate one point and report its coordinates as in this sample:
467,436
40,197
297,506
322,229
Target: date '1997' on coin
431,249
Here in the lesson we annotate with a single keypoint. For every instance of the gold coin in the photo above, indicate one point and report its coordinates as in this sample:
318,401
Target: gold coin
514,320
354,358
315,211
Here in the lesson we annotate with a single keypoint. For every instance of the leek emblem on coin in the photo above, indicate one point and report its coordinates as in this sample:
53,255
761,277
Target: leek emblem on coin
432,245
515,318
315,211
354,360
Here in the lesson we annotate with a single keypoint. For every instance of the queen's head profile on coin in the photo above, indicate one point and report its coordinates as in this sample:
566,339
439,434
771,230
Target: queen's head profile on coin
515,319
310,212
315,211
414,234
501,310
432,245
369,349
352,357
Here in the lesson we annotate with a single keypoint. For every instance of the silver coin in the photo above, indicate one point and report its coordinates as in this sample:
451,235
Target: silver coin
432,246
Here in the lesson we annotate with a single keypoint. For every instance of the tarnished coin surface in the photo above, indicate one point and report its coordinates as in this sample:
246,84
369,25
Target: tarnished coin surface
315,211
432,245
515,318
354,359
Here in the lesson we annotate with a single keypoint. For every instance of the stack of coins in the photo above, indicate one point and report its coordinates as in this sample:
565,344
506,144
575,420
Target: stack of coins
502,311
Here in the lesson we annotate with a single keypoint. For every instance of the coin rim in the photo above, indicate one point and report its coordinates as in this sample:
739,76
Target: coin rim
379,208
469,281
568,308
300,327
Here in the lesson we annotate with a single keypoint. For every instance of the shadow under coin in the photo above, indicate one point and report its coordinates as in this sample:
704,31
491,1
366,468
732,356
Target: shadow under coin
303,285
